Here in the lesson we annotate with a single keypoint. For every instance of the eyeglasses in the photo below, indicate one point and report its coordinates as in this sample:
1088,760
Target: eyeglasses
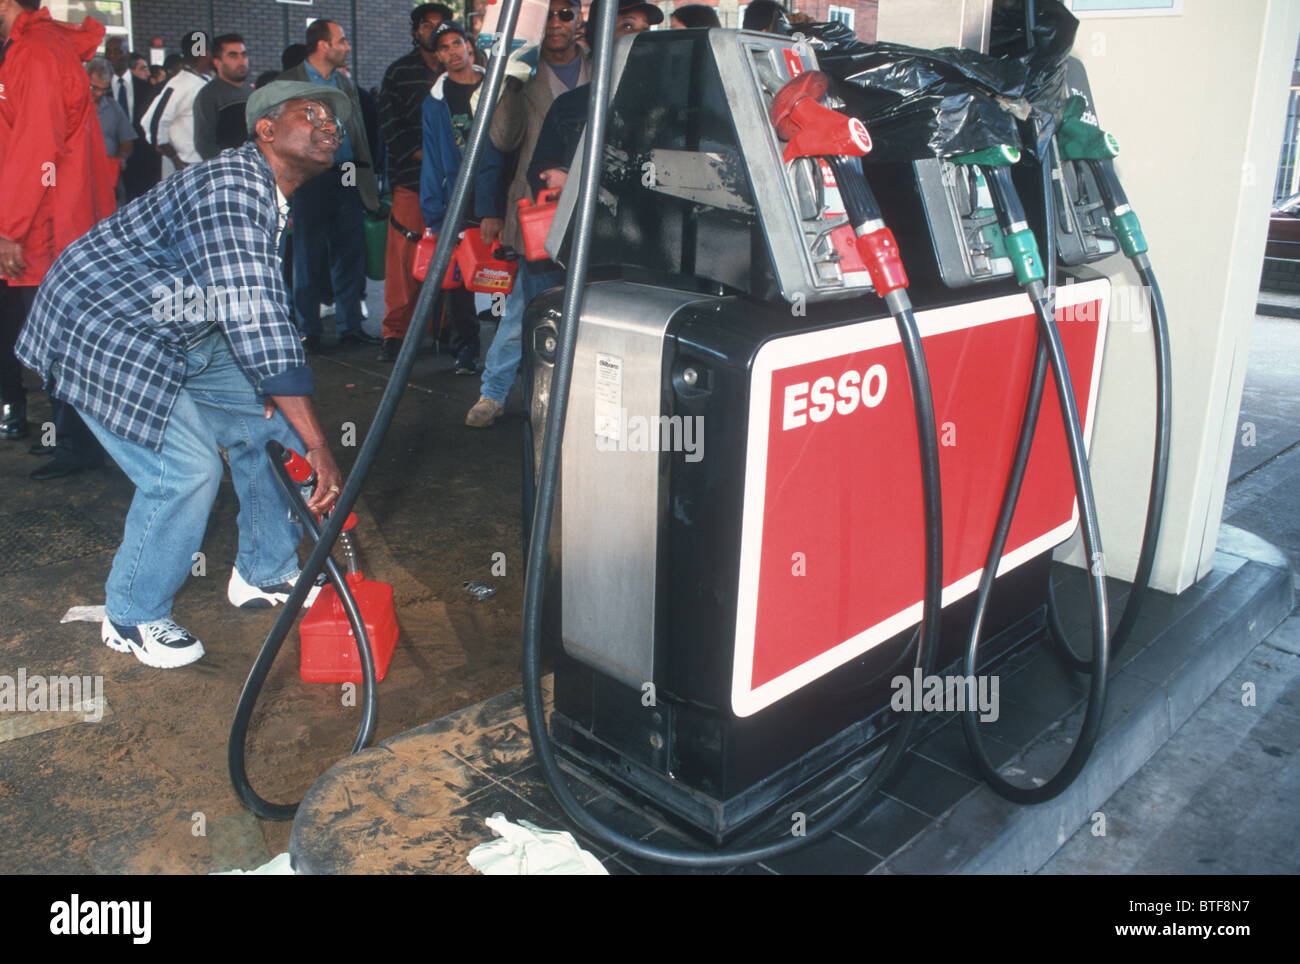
318,117
564,16
103,89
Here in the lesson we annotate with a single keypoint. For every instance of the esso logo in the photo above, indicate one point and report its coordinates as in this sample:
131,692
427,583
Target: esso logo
858,131
825,396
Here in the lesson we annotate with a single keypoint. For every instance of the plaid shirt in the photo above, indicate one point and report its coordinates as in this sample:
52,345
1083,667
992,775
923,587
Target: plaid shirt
119,308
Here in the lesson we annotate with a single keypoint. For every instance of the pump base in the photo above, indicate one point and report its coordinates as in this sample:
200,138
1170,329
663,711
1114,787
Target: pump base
722,779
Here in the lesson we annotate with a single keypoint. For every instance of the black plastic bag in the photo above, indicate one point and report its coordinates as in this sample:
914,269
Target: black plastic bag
920,103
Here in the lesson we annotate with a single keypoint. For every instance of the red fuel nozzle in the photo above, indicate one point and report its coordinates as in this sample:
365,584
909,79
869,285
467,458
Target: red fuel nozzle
879,251
812,129
303,475
299,468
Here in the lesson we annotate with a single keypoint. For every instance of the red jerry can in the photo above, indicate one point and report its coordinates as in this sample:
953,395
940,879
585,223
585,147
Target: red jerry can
424,254
535,220
329,649
484,269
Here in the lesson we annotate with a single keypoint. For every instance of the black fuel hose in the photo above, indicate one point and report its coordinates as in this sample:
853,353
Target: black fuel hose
430,295
547,484
1113,195
1011,215
271,648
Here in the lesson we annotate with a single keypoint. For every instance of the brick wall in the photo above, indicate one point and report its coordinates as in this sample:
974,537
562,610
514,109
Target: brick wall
383,28
864,13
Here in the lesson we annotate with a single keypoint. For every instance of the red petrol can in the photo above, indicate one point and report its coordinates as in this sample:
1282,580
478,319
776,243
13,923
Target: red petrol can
424,254
535,219
329,649
482,267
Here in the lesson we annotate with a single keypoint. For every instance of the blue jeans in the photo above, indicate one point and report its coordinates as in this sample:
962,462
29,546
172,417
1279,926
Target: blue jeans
502,362
328,246
175,488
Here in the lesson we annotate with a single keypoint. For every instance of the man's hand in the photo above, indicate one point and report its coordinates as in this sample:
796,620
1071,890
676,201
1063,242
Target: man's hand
300,412
554,178
490,229
11,259
329,481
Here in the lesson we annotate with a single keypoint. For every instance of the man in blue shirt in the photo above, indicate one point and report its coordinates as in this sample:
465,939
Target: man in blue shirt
167,327
329,211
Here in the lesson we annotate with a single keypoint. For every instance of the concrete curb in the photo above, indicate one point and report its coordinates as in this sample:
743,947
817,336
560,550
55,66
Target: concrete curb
1151,696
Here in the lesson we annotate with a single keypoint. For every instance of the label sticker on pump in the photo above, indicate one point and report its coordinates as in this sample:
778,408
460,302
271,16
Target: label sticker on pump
793,62
832,557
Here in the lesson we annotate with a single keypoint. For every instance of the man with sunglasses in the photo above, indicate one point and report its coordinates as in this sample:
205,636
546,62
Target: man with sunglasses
561,66
168,327
565,121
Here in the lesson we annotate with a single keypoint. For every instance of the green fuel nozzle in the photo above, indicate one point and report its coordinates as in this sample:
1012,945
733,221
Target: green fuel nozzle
1123,219
999,155
1022,246
1084,141
1080,139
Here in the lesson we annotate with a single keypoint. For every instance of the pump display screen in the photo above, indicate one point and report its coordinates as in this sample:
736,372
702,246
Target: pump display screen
832,547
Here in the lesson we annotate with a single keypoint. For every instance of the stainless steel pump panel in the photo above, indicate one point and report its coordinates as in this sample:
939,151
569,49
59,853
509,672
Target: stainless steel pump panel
693,181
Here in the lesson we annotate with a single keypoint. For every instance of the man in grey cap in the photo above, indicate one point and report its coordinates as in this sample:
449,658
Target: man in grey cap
167,327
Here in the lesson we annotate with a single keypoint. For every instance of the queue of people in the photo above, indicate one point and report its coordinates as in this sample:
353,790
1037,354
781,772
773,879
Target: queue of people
120,187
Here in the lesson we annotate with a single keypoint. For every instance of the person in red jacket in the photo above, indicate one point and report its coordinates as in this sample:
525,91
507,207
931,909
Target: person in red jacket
57,183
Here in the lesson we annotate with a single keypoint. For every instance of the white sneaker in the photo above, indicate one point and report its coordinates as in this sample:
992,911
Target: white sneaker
246,596
161,643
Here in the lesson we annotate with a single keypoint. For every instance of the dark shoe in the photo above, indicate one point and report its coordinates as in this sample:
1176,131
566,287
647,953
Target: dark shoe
59,468
466,363
311,344
389,349
358,338
40,450
13,422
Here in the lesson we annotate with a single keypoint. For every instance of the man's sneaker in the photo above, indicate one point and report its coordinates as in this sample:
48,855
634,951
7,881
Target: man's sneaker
161,643
246,596
484,413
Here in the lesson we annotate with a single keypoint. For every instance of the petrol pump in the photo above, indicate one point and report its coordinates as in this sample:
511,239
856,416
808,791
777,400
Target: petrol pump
788,433
736,567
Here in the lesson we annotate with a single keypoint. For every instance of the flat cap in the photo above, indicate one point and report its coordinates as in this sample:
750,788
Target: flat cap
272,95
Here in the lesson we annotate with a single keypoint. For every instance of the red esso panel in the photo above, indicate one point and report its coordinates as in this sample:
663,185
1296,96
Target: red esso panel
832,546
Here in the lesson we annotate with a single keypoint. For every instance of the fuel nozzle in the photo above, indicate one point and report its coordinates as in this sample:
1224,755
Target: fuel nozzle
1022,248
810,127
814,130
303,475
1085,142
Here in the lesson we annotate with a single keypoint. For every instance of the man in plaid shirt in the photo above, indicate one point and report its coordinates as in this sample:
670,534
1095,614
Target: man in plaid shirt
168,328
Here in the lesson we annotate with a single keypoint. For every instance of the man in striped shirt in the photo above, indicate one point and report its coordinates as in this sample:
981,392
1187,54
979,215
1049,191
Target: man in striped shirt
401,96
